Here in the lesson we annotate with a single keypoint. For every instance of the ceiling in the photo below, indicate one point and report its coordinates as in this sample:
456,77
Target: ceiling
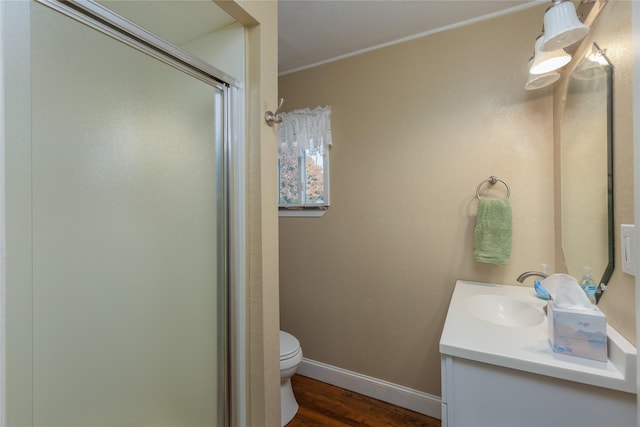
311,32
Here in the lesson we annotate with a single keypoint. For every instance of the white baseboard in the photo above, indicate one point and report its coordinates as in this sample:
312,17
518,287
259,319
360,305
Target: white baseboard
405,397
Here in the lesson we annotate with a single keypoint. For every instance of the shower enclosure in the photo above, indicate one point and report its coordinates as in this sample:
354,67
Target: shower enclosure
116,234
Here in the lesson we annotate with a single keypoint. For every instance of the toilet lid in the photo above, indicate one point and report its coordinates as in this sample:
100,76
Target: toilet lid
289,345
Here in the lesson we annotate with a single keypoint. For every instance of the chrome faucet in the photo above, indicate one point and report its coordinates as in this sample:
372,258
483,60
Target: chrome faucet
529,274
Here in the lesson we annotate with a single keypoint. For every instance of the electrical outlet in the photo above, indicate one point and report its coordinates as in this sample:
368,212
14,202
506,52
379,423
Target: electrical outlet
628,248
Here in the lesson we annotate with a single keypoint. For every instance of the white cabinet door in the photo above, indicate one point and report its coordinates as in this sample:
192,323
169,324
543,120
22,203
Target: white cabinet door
481,395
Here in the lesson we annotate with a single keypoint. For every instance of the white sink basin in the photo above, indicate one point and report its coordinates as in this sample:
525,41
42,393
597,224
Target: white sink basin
503,310
504,325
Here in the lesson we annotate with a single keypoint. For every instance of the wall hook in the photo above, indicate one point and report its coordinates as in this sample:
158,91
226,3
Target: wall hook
272,118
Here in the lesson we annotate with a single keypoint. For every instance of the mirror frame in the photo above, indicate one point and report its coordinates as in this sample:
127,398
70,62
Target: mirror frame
606,276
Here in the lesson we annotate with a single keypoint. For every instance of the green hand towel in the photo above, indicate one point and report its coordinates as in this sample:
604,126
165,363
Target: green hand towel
492,236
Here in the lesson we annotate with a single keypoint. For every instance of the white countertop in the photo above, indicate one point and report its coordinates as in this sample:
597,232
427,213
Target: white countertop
527,348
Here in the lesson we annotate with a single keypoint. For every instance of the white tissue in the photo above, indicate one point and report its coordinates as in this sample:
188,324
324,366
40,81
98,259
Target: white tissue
569,294
551,283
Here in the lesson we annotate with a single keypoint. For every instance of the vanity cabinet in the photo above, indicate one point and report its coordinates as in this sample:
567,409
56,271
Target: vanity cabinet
476,394
498,369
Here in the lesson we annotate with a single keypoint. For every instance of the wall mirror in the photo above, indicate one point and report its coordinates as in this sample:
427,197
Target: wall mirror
586,169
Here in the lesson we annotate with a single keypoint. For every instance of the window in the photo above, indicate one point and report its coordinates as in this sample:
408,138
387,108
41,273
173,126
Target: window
304,138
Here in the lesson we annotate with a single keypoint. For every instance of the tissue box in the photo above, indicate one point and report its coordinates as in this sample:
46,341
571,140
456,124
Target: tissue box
578,332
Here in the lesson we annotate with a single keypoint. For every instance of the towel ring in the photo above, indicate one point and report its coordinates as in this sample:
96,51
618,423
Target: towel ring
492,180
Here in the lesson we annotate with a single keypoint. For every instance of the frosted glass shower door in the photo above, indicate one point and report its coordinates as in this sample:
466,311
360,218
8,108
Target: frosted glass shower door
128,236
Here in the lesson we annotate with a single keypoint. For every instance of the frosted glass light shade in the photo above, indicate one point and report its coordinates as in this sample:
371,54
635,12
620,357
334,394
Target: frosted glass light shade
544,62
593,66
562,27
589,70
538,81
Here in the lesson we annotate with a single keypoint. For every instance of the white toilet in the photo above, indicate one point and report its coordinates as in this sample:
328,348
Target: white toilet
290,358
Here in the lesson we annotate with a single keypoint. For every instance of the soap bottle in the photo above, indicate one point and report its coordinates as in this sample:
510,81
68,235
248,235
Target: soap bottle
537,284
588,285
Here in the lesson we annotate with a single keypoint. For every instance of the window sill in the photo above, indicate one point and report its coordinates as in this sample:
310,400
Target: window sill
302,212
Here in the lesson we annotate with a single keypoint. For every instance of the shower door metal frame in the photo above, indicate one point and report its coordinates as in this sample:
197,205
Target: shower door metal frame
107,22
104,20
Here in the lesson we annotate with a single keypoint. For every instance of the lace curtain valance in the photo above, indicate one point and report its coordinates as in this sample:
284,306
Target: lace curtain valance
305,129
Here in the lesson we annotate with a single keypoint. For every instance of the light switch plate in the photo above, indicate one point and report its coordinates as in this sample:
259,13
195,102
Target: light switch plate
628,251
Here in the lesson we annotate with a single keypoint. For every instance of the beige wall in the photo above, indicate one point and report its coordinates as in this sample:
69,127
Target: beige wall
612,31
416,127
263,383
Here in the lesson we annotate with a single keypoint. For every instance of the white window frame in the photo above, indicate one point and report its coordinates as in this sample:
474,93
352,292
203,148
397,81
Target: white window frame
314,127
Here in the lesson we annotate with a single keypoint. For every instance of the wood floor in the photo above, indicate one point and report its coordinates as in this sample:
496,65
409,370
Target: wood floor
323,404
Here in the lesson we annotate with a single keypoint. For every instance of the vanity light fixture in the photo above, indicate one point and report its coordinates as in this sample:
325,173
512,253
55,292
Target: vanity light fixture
562,27
593,65
538,81
544,62
598,55
561,31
